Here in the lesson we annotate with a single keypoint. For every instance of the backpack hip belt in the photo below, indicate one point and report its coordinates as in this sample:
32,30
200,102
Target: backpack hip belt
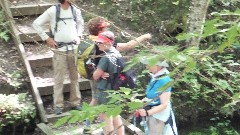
61,44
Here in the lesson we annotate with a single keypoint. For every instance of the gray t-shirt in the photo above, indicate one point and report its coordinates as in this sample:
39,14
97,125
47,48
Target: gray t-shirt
108,64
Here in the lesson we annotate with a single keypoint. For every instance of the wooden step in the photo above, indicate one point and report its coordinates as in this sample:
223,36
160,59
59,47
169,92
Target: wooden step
31,9
38,55
40,60
133,130
52,118
45,129
27,33
45,82
45,85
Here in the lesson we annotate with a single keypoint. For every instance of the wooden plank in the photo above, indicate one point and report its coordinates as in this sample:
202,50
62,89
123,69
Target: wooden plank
47,61
21,51
39,55
131,128
45,129
47,87
30,37
52,118
40,60
22,10
27,33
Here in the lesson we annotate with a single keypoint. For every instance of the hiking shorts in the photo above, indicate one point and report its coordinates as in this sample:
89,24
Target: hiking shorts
155,126
102,97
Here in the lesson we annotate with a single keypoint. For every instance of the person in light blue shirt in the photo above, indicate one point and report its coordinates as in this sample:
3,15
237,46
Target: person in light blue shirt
159,113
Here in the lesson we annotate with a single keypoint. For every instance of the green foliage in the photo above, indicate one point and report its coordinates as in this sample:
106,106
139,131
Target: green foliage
208,84
222,126
15,78
162,18
16,109
3,27
214,83
203,78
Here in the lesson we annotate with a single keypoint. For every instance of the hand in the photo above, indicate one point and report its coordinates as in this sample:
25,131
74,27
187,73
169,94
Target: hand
142,112
105,75
147,36
51,43
78,40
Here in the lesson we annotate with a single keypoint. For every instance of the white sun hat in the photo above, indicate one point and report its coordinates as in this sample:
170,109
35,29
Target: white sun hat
161,63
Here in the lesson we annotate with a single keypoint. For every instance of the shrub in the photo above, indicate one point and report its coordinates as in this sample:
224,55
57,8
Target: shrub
16,109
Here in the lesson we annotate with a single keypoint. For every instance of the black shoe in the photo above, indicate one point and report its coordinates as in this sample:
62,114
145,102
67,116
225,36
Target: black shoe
77,107
58,110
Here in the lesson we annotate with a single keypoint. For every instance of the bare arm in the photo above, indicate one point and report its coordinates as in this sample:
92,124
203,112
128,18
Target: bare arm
164,99
80,23
131,44
98,73
40,21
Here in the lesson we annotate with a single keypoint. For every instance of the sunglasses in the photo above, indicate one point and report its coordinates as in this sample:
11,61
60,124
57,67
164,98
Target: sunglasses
98,43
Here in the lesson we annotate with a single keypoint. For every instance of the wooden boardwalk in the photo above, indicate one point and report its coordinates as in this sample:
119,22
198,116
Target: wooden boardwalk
37,58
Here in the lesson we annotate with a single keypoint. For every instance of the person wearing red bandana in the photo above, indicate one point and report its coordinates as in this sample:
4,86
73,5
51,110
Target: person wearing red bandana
102,75
98,25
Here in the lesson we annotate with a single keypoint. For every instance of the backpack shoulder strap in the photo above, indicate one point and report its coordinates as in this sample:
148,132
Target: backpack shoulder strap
57,16
120,65
74,13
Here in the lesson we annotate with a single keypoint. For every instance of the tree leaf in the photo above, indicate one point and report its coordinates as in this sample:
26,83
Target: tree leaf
114,111
126,91
135,105
61,121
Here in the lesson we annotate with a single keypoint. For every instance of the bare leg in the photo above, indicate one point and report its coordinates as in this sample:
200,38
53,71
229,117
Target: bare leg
93,102
109,125
118,125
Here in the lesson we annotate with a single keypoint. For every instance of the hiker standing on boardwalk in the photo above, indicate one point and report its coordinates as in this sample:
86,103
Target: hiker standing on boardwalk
98,25
67,26
105,68
159,115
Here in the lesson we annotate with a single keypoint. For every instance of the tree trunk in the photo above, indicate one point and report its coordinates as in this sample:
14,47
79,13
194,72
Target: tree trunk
196,20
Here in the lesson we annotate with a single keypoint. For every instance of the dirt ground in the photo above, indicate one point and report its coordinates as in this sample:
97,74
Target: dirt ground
10,65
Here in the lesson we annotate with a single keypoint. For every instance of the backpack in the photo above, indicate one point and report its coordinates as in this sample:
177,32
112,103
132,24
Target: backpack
123,78
85,64
58,7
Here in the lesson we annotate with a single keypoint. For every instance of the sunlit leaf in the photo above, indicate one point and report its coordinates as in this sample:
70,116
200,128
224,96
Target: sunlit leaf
210,28
126,91
61,121
175,3
185,36
135,105
114,111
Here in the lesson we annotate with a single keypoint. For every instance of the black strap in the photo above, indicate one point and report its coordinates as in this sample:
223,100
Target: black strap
61,44
58,9
120,67
74,13
57,17
170,122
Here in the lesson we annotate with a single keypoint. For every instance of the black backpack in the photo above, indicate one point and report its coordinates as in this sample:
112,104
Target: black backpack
123,78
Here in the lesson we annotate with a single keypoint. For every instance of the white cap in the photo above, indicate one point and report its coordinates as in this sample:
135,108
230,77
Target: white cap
163,63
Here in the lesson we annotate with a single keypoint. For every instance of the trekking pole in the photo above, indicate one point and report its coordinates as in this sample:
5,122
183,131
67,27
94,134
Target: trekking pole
144,124
135,117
